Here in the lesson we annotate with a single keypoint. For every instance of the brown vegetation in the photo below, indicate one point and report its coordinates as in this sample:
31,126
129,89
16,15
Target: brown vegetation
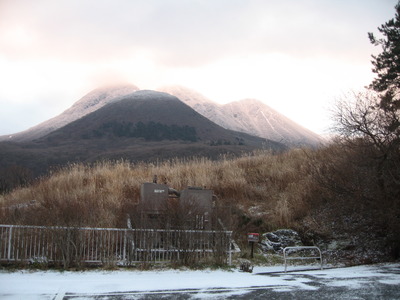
261,184
324,194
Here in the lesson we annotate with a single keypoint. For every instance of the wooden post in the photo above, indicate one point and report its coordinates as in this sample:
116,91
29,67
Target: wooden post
252,250
252,238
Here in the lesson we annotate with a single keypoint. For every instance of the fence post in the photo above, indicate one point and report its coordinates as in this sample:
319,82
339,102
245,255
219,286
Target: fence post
9,243
124,250
230,249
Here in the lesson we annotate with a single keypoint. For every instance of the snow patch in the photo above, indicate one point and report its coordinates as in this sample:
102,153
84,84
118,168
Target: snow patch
53,284
249,116
89,103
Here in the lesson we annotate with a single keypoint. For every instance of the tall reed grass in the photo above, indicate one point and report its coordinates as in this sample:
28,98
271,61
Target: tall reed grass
271,188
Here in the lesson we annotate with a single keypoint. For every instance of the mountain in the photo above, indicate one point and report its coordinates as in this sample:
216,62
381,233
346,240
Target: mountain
89,103
141,126
206,107
149,115
125,122
254,117
250,116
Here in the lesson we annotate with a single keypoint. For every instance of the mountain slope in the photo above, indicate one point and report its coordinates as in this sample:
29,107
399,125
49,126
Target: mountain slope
89,103
144,108
204,106
254,117
250,116
142,126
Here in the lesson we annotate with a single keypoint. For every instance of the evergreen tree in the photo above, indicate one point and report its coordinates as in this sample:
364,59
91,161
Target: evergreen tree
387,64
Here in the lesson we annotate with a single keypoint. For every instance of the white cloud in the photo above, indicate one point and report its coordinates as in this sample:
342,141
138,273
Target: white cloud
291,54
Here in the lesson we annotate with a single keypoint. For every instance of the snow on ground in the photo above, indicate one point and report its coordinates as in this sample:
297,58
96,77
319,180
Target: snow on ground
25,284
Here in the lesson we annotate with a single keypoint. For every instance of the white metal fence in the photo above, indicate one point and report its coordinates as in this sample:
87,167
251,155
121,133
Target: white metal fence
70,245
302,252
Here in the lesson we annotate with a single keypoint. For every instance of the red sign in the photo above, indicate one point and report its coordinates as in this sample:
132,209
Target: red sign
253,237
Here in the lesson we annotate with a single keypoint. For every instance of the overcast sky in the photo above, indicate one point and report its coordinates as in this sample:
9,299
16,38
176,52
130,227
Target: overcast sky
297,56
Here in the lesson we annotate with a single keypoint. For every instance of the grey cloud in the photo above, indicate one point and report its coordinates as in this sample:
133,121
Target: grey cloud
188,33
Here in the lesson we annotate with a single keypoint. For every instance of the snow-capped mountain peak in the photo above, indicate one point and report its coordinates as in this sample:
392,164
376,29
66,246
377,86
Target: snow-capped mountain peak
251,116
87,104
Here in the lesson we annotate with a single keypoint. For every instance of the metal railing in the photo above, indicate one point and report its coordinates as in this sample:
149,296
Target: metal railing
70,245
309,250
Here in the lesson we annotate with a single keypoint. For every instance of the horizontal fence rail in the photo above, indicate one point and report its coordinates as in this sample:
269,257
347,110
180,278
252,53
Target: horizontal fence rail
302,252
74,246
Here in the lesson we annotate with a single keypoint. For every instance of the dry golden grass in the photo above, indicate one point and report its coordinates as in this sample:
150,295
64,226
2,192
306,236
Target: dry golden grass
317,192
277,185
321,193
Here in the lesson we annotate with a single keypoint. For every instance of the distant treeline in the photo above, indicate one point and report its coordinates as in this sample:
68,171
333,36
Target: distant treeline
150,131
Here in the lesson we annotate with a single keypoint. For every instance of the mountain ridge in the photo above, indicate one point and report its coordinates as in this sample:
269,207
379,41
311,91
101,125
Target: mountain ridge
251,116
93,100
146,106
143,126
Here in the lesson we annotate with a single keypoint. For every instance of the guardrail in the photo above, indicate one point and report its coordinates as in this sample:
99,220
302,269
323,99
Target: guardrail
309,249
72,245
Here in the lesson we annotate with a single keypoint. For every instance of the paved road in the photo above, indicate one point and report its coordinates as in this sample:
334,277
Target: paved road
363,282
377,291
315,285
